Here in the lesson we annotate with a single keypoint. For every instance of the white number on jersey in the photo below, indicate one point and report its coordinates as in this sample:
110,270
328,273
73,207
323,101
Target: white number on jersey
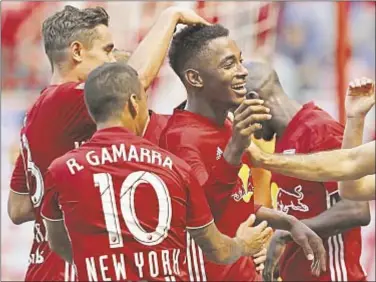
37,196
127,192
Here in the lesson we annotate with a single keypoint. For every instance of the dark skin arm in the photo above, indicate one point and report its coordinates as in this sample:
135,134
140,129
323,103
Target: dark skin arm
343,216
310,242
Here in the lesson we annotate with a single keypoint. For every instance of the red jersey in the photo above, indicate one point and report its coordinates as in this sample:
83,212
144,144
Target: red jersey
313,130
57,123
200,142
126,205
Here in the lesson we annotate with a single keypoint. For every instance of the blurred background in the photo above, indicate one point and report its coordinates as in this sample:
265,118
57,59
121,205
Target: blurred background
316,47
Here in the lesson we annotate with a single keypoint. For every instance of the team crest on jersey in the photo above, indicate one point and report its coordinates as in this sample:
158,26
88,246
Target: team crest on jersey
246,192
291,200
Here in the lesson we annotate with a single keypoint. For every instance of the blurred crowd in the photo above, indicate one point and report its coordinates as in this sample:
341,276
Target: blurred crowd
298,38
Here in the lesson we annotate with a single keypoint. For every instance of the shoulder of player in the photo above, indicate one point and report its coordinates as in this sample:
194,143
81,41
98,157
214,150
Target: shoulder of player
60,164
66,91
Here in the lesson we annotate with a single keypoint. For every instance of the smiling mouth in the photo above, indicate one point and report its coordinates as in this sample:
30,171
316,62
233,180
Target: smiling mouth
239,88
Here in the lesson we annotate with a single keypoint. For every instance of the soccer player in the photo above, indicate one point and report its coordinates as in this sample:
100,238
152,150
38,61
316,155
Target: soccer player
210,66
76,41
355,167
307,129
125,202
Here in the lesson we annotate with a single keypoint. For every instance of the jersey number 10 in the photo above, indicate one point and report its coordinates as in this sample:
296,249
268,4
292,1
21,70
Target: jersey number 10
127,193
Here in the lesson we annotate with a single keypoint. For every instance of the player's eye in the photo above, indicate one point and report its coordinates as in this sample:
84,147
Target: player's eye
228,65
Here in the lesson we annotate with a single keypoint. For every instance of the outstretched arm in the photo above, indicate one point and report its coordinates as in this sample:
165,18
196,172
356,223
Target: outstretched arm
222,249
337,165
148,57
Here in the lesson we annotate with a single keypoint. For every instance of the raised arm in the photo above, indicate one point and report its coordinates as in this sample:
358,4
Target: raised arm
360,99
148,57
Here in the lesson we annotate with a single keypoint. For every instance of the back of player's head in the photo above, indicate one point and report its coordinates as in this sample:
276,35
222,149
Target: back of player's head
262,78
69,25
189,44
108,88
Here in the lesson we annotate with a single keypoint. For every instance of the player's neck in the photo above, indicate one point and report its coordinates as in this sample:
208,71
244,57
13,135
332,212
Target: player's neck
109,124
283,111
211,110
62,75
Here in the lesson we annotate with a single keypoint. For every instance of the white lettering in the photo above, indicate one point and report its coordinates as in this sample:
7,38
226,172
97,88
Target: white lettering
139,261
132,154
119,153
90,268
156,155
103,268
166,263
121,273
167,163
153,264
145,154
175,259
106,157
72,164
92,159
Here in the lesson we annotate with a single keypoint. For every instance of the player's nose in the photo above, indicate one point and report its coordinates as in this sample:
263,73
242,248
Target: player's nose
242,71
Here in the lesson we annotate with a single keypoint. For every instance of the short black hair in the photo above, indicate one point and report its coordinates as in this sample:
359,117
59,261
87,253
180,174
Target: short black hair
68,25
190,42
108,88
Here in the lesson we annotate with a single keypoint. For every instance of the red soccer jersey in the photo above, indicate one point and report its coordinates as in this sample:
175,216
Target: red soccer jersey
57,123
313,130
201,143
126,205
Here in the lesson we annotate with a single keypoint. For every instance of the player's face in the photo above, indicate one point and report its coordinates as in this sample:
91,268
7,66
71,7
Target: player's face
101,51
224,74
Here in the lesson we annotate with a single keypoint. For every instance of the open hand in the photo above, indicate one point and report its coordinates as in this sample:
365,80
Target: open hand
253,239
360,97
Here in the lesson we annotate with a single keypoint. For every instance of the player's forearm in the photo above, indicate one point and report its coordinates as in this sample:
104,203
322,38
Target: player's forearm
343,216
275,219
216,246
148,57
20,208
321,166
353,137
363,189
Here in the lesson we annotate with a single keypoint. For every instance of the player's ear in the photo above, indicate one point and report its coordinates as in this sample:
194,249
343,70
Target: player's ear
193,78
76,51
133,105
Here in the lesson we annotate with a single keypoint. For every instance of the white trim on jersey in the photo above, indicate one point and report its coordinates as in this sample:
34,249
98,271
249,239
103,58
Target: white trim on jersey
198,227
18,193
195,258
337,264
69,273
50,219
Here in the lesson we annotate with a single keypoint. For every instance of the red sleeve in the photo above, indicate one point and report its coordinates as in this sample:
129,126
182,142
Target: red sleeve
18,182
198,211
50,209
218,183
328,137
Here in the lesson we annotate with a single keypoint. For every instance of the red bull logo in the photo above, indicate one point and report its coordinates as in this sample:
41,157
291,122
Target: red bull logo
291,200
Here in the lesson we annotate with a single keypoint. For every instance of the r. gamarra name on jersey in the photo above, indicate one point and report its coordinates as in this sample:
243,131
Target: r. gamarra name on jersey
152,264
120,153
